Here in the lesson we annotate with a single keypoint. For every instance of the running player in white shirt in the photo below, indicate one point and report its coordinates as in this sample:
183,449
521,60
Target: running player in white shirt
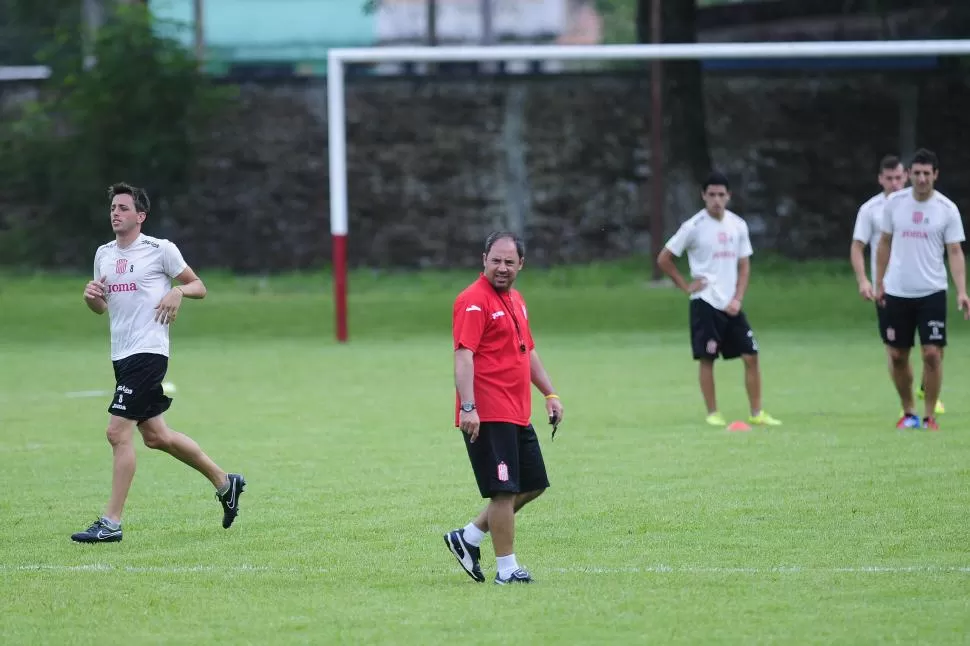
133,283
718,251
911,282
868,230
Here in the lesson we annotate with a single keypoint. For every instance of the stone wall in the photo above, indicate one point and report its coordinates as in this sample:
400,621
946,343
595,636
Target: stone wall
434,165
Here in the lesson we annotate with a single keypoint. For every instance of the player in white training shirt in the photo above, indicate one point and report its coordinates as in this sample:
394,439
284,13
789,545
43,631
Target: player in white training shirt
919,223
718,251
133,283
868,230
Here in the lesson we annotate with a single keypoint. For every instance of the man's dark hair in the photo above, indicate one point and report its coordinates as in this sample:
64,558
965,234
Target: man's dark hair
502,235
138,195
716,179
889,162
924,156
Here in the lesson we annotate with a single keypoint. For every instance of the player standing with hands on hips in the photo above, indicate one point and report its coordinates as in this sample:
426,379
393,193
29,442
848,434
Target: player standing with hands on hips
718,250
919,223
133,283
495,363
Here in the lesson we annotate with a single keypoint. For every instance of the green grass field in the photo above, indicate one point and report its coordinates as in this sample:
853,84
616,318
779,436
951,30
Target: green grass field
833,529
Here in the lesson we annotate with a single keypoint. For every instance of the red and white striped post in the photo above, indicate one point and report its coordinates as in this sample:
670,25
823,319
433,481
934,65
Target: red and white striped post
338,192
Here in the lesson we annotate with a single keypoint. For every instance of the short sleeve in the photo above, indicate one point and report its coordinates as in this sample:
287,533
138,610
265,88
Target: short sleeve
863,227
172,261
954,228
97,269
744,242
886,221
468,322
681,240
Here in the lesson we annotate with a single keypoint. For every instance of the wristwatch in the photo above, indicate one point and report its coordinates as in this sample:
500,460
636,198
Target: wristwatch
467,406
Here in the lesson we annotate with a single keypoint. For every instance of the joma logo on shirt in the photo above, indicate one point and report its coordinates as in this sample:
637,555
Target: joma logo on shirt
916,234
725,254
122,287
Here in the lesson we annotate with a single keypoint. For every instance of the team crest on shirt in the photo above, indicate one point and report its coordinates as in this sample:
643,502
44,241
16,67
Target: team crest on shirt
121,265
723,238
918,217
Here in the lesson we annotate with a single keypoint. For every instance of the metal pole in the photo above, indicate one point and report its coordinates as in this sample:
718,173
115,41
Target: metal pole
198,9
92,17
656,142
432,22
488,29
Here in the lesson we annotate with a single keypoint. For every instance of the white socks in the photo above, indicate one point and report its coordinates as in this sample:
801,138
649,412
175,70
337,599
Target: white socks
506,565
473,536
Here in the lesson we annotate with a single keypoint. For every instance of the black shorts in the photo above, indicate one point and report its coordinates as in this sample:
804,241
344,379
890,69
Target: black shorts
713,332
506,458
138,388
880,317
902,317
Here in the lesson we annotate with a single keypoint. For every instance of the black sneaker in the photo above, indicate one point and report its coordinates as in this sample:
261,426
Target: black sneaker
519,576
98,532
468,555
230,499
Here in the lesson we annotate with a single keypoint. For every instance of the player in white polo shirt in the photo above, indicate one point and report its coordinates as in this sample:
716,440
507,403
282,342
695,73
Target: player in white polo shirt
919,223
868,230
133,283
718,250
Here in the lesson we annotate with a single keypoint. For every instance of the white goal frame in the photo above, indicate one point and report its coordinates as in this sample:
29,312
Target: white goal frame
338,58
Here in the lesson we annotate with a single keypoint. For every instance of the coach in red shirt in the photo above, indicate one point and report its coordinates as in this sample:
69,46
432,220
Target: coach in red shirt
495,363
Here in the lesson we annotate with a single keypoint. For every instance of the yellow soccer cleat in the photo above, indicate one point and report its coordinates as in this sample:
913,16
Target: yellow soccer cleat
763,419
716,419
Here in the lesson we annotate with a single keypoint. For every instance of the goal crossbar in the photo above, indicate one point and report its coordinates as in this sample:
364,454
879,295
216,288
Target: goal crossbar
338,58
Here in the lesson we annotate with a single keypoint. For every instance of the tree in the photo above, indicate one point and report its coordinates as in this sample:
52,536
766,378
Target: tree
136,115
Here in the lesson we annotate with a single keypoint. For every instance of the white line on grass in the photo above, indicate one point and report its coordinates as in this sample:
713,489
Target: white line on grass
781,569
650,569
159,569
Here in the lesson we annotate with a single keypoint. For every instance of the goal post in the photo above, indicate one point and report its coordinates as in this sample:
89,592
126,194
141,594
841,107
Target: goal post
339,58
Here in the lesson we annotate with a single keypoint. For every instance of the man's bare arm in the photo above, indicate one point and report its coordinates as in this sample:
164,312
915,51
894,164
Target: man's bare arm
858,260
465,374
94,298
882,258
744,276
540,378
190,284
958,266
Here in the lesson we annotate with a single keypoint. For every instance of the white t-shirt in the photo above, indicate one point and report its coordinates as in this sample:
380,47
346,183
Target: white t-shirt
713,250
920,232
868,227
137,279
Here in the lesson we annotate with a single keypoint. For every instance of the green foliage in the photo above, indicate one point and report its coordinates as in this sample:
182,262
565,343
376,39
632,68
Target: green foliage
135,115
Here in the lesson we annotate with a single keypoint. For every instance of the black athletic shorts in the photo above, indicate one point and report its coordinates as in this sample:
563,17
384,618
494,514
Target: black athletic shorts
713,332
506,458
902,317
138,388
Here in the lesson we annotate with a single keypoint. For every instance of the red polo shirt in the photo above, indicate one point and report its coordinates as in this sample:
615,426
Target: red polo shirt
494,327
